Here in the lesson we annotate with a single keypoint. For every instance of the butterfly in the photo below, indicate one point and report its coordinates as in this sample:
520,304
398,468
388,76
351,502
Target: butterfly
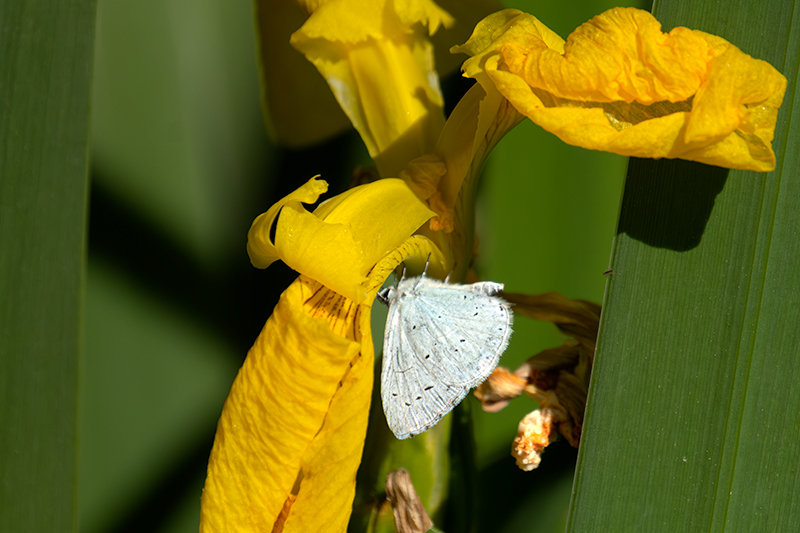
442,339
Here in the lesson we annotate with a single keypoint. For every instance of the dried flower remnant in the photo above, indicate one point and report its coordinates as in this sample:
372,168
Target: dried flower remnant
501,386
291,435
409,513
533,436
557,378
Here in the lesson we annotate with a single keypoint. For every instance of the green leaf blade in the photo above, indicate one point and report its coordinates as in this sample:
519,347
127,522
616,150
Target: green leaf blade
45,65
693,416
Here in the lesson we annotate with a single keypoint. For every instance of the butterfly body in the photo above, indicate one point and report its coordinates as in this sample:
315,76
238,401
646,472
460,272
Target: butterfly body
442,339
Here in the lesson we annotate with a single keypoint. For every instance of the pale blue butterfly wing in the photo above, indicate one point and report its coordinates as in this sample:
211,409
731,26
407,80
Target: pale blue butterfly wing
442,339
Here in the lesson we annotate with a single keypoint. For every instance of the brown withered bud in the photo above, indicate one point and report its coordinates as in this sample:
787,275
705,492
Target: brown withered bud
502,386
557,378
409,514
579,319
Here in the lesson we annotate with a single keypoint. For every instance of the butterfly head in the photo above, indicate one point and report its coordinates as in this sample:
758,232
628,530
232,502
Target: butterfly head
387,294
384,295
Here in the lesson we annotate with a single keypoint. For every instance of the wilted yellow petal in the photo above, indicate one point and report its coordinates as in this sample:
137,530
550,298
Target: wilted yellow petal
379,65
621,85
557,378
342,240
294,423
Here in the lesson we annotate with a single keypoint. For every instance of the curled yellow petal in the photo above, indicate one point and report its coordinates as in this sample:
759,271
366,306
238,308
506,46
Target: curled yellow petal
340,242
292,429
417,253
621,85
260,248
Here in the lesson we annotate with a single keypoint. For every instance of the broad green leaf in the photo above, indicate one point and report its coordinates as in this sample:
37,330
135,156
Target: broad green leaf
45,68
693,420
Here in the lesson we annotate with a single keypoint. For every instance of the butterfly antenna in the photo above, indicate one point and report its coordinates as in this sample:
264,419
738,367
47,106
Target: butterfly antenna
427,262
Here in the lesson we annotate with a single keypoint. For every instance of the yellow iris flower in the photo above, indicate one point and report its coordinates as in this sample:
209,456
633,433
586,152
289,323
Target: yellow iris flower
291,434
620,85
293,426
290,438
